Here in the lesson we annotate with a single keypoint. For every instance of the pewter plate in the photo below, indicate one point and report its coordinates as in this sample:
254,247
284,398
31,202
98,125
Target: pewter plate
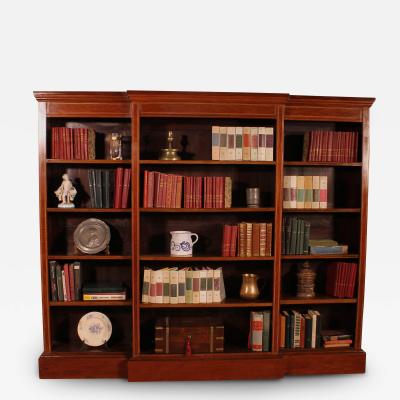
94,329
92,236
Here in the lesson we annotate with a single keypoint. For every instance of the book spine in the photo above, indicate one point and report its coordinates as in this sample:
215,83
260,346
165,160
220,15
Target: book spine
306,242
315,189
93,297
286,191
238,143
254,143
323,192
146,189
266,330
256,240
233,241
146,285
181,286
300,192
231,153
196,287
293,236
178,200
159,286
217,276
242,239
226,239
249,239
282,333
262,142
71,282
210,285
67,291
227,192
308,191
256,319
223,149
168,198
246,144
152,291
215,142
173,287
166,286
189,287
63,285
53,280
293,191
269,152
203,286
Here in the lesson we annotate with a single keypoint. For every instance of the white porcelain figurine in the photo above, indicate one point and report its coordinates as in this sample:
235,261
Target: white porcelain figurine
66,193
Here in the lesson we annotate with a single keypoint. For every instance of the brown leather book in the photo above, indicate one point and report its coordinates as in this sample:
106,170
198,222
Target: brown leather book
256,240
242,239
249,239
268,250
178,198
233,243
263,239
226,240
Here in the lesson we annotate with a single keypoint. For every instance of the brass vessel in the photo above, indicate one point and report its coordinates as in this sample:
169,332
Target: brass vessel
249,289
169,153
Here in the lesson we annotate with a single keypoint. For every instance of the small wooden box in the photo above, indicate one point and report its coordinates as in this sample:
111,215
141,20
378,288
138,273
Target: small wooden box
206,335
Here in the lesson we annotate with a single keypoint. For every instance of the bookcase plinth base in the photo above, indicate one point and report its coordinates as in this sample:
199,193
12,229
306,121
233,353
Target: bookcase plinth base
73,366
246,367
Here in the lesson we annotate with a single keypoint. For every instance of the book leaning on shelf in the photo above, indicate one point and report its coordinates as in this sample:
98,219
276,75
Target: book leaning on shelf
183,286
103,291
242,143
65,281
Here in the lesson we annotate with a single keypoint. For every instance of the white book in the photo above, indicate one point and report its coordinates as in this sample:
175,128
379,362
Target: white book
315,189
323,192
64,285
215,142
165,273
300,192
262,141
269,153
256,321
196,287
181,286
231,154
246,144
189,286
159,286
313,328
210,285
152,291
253,143
203,286
293,191
218,287
146,285
286,191
223,143
239,143
173,286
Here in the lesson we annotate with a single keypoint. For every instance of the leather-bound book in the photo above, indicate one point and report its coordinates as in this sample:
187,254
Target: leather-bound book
268,251
256,240
215,142
67,292
223,149
118,187
254,143
242,239
77,280
91,144
206,335
233,241
146,189
199,191
269,152
157,191
178,198
53,280
266,330
308,191
168,199
228,192
306,146
226,239
249,239
71,282
98,188
126,188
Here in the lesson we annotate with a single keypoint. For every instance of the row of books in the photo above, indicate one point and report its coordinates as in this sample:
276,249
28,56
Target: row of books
242,143
103,291
73,143
330,146
247,239
260,326
300,330
65,281
295,236
341,279
165,191
109,188
327,246
334,339
183,286
305,191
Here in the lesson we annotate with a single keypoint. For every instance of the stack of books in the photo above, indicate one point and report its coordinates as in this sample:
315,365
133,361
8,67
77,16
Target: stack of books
73,143
295,236
183,286
327,246
247,239
335,339
260,326
242,143
341,279
305,191
330,146
165,191
300,330
65,281
103,291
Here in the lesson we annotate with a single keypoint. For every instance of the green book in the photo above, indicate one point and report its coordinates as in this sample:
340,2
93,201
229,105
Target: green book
288,235
266,330
77,280
301,237
306,242
60,290
283,241
293,236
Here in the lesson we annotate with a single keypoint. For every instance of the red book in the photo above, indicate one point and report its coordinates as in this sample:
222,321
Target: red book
126,187
157,191
302,331
118,188
221,192
173,191
145,189
162,190
86,142
71,143
233,241
310,154
226,239
355,153
199,185
61,143
150,190
346,146
208,197
168,194
72,282
53,143
324,146
353,279
214,192
185,192
67,285
68,144
178,199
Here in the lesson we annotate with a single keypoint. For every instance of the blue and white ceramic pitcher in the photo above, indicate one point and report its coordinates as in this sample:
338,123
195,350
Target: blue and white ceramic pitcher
182,244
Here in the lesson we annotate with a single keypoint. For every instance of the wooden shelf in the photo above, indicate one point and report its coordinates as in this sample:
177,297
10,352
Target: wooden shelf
97,303
204,162
88,210
317,300
88,257
202,258
319,256
89,162
318,351
320,164
236,303
322,210
209,210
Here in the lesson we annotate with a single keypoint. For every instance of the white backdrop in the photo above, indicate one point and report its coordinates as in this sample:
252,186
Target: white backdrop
343,48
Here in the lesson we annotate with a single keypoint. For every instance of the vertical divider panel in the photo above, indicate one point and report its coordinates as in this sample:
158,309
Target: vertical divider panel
43,225
363,230
135,196
278,222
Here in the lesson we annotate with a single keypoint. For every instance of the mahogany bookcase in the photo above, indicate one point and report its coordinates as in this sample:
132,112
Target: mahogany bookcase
149,115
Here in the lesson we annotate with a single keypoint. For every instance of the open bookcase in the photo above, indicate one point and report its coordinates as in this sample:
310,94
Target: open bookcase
140,236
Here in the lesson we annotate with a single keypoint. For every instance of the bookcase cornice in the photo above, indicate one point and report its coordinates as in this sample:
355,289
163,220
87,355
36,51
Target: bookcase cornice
80,97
